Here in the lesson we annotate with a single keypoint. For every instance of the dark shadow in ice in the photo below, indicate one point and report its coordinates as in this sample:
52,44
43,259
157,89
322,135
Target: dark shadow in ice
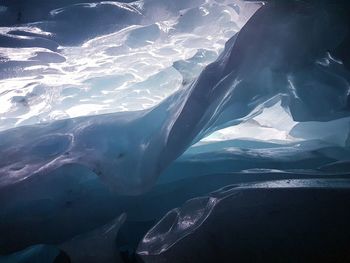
239,156
20,42
36,254
293,220
96,246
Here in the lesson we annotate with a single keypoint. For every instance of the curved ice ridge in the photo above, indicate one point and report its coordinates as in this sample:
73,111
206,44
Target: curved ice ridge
130,150
181,222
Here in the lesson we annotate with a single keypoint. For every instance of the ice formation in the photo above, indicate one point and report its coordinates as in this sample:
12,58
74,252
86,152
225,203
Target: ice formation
157,102
119,141
247,77
37,253
180,222
248,223
97,245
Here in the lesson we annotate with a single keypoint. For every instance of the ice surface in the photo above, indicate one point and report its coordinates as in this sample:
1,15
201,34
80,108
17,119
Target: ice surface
239,218
37,253
168,102
97,245
58,144
118,64
244,156
130,150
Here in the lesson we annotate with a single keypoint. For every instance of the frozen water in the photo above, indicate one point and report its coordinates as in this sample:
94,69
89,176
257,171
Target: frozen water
130,150
162,101
118,140
208,220
121,64
97,245
37,253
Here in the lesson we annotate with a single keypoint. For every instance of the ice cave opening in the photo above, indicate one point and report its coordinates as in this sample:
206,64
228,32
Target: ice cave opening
174,131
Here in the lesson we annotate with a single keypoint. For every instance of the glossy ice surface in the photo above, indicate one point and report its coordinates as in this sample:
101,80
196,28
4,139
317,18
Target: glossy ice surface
114,113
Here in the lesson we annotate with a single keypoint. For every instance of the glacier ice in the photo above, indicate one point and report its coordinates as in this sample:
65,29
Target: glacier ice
246,77
105,65
37,253
95,246
248,222
69,141
170,102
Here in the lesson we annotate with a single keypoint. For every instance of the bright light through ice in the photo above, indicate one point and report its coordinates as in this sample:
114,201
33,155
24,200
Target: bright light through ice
126,70
273,124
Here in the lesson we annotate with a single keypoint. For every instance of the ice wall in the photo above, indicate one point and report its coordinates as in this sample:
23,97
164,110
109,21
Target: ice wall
273,104
130,150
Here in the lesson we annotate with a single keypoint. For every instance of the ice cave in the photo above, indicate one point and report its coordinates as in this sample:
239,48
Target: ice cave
155,131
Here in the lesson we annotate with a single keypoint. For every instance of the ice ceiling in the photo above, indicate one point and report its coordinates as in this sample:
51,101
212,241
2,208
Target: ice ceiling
101,103
99,65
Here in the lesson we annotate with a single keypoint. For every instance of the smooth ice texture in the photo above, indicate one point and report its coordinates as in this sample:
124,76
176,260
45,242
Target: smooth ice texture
130,150
182,221
233,89
176,224
118,140
153,107
97,245
250,222
37,253
110,57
